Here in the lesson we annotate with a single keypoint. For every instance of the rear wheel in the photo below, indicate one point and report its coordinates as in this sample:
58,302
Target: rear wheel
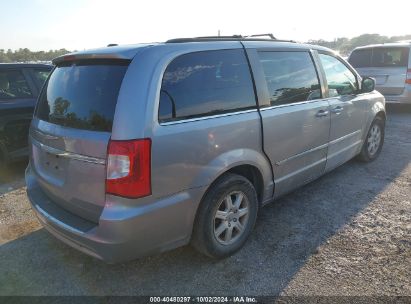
374,141
225,217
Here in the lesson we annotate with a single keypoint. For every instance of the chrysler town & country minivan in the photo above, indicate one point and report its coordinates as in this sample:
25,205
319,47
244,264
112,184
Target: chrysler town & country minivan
139,149
390,65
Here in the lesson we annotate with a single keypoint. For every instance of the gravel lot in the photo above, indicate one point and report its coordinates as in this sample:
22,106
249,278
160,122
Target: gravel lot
12,178
348,233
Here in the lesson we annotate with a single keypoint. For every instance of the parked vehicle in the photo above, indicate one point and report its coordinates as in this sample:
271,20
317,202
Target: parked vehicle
19,88
140,149
390,65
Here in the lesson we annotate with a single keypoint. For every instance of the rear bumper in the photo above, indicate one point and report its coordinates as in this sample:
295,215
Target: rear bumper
124,231
404,98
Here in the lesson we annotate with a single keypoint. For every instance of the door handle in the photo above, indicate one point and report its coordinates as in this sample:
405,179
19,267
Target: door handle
321,113
337,110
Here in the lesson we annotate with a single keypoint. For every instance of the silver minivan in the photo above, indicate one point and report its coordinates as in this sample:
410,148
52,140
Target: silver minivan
390,65
140,149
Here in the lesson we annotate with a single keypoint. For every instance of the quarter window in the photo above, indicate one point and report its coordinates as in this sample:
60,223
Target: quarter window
13,85
341,81
41,76
390,57
206,83
291,77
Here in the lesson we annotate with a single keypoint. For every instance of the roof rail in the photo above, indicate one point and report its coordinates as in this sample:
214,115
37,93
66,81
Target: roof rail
205,38
228,38
263,35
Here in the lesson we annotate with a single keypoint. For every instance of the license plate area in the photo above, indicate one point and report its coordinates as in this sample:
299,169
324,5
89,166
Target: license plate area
53,163
50,166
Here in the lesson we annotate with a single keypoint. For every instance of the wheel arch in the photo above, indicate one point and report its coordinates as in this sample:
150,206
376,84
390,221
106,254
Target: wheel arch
248,163
381,114
250,172
377,109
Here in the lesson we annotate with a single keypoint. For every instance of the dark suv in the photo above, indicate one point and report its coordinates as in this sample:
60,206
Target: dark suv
20,85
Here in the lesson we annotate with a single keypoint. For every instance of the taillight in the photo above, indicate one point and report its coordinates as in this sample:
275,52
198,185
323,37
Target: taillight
129,168
408,79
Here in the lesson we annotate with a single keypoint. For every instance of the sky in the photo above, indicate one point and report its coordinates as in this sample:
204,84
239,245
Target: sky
83,24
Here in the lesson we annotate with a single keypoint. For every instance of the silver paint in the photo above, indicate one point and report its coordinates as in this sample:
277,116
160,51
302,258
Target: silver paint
286,145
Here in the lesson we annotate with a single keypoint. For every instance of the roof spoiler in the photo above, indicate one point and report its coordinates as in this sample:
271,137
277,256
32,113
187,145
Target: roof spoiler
75,57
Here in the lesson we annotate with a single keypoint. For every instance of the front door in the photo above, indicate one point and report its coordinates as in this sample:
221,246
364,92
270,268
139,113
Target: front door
347,109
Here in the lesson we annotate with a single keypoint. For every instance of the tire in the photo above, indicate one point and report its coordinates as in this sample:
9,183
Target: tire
211,234
372,146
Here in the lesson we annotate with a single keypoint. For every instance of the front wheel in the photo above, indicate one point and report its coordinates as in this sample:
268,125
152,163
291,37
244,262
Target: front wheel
226,217
374,141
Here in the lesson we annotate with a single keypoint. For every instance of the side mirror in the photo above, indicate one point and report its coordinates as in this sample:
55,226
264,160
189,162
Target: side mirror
367,85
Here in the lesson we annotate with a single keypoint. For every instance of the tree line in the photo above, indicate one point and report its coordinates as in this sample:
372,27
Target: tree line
342,45
25,55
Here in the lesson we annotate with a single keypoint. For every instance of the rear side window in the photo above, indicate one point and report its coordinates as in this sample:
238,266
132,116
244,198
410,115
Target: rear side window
206,83
361,58
13,84
390,57
380,57
341,81
82,95
290,76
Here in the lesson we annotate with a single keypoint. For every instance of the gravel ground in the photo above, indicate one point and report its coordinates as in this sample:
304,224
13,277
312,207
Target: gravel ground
12,178
348,233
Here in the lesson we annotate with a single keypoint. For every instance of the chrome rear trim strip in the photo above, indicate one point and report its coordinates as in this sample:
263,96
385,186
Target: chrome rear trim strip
65,154
45,135
206,117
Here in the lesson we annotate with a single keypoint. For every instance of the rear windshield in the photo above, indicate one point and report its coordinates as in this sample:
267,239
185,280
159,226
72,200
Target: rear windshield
380,57
82,95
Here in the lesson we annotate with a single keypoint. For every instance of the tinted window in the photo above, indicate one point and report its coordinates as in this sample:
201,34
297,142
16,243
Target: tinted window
390,57
361,58
13,84
206,83
380,57
341,81
82,95
41,76
290,76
